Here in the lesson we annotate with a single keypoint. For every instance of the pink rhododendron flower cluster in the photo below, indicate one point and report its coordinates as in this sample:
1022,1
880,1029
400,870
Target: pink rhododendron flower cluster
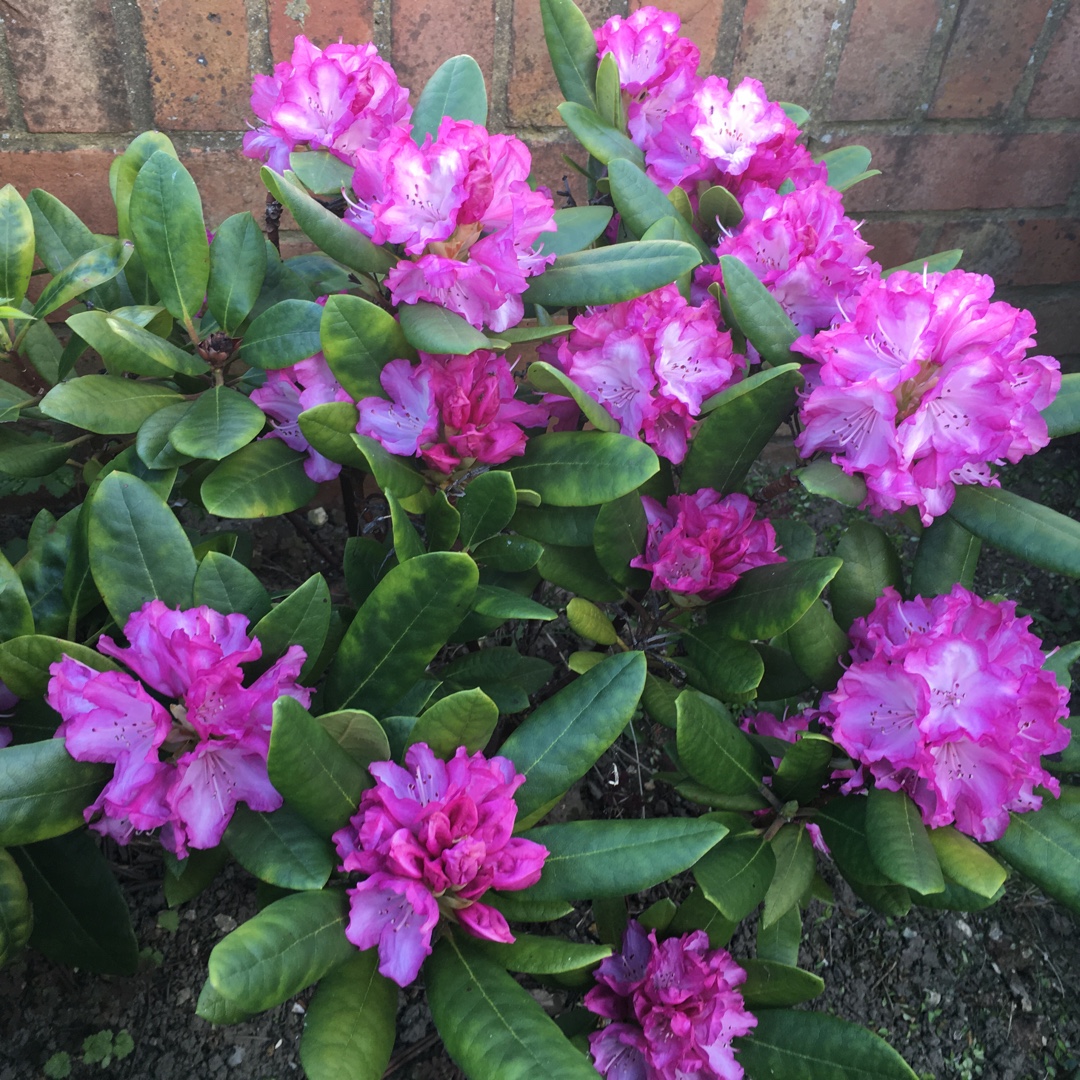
342,98
803,249
674,1006
433,837
181,769
461,207
947,700
650,362
699,544
923,387
453,411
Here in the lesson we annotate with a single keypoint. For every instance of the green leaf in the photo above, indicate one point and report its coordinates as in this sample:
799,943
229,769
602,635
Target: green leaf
583,468
87,272
492,1027
619,537
349,1026
592,859
578,571
795,865
16,245
760,317
612,274
215,1009
237,270
16,915
1062,415
80,916
843,827
769,985
302,618
358,733
725,668
642,204
509,554
941,263
536,955
106,404
810,1046
435,329
562,739
717,206
456,89
804,769
589,622
321,172
220,422
465,718
340,241
128,346
550,380
779,943
1020,527
517,910
330,429
16,617
739,426
25,662
506,676
771,599
285,948
126,168
846,165
697,913
358,339
822,477
870,564
499,603
279,848
795,113
576,227
712,749
138,550
283,335
965,863
315,775
735,876
568,526
898,843
228,586
169,233
187,878
12,401
60,238
25,455
391,473
818,645
572,48
262,479
604,142
43,791
486,507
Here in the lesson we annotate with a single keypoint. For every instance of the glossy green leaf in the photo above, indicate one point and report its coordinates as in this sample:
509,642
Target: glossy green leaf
1062,415
506,676
735,876
517,910
739,426
717,206
568,526
315,775
106,404
898,843
609,275
16,915
759,316
591,859
13,400
795,866
822,477
434,329
228,586
588,621
642,204
486,507
349,1026
576,227
285,948
283,335
87,272
25,661
818,646
465,718
27,455
536,955
126,167
358,339
128,346
215,1009
170,236
795,113
712,749
456,89
769,985
779,943
138,550
280,848
80,916
572,48
237,270
358,733
870,564
262,479
16,245
798,1045
561,740
330,428
947,553
321,172
583,468
846,164
966,863
302,618
550,380
723,667
770,599
60,238
407,542
399,629
1020,527
500,603
220,422
604,142
392,474
578,571
940,263
698,913
16,617
843,827
186,878
804,768
509,554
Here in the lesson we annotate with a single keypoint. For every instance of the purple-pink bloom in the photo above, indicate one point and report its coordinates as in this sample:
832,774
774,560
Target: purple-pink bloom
647,49
947,700
181,769
674,1006
8,701
924,387
432,838
698,545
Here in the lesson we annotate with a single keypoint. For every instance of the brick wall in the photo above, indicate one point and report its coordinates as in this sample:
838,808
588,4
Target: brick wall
971,107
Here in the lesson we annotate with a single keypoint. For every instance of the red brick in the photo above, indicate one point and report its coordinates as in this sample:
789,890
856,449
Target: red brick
895,242
425,36
962,170
534,92
198,56
880,68
990,48
69,70
1057,316
782,44
323,22
1057,87
78,178
1033,251
228,183
700,23
549,168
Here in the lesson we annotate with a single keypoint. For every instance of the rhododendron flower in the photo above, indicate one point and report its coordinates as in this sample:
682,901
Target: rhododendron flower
803,249
181,769
343,98
647,49
699,544
433,837
923,387
461,208
674,1007
8,701
453,411
947,700
650,362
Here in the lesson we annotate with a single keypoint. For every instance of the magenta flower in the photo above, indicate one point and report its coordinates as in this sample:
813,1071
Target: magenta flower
698,545
651,362
433,838
343,98
184,769
453,411
947,700
924,387
674,1007
648,50
8,701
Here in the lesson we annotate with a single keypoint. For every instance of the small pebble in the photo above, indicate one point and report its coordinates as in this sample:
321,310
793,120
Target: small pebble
237,1056
225,923
298,1008
964,928
318,517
